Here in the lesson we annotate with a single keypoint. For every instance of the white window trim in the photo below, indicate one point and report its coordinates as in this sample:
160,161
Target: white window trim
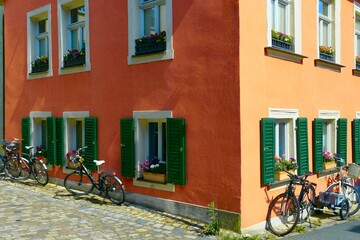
134,29
356,33
63,39
337,28
293,114
31,34
357,115
140,143
331,115
68,128
297,25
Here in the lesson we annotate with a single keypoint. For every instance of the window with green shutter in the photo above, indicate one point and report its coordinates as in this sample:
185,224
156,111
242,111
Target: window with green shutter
356,140
318,144
302,145
342,138
268,150
25,134
127,149
55,141
91,152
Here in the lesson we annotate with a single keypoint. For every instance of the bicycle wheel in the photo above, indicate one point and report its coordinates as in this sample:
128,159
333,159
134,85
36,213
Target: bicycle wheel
78,183
283,214
114,190
344,209
12,167
350,193
2,167
25,170
306,205
41,172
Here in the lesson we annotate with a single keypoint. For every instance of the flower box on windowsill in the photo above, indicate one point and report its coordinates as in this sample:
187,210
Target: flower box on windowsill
282,175
329,165
326,57
74,62
40,68
150,48
154,177
282,44
357,66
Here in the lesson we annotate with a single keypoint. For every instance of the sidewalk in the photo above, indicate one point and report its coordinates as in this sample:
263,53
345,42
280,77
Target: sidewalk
30,211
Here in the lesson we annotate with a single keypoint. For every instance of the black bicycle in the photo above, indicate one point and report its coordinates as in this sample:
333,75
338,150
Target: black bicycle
286,210
81,181
31,165
10,161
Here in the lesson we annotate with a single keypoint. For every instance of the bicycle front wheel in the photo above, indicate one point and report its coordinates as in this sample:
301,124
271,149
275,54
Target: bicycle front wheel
114,190
283,214
12,167
25,170
351,194
306,205
78,183
41,172
2,167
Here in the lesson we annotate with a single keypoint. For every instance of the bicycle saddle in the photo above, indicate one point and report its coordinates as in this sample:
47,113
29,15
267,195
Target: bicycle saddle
99,162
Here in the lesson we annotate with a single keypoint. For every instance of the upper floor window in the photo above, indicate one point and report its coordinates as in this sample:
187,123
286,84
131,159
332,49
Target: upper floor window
74,51
327,28
150,30
357,38
39,43
284,24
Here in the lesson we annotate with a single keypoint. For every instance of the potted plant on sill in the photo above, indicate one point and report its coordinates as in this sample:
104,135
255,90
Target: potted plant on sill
282,164
326,53
74,57
357,62
41,153
40,64
282,40
328,160
151,44
154,170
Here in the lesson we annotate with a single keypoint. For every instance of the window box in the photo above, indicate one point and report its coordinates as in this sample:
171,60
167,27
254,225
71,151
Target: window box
357,66
155,177
328,165
74,62
40,68
152,44
282,44
326,57
282,175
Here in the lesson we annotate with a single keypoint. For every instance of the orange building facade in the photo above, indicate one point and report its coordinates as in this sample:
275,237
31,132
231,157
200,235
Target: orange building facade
190,84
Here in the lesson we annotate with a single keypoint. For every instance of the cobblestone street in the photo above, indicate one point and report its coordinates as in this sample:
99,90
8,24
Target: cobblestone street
29,211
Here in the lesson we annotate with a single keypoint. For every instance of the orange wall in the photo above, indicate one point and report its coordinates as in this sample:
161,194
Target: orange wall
267,82
201,84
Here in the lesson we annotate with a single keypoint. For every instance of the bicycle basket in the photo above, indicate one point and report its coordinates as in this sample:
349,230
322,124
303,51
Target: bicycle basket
331,198
106,172
354,171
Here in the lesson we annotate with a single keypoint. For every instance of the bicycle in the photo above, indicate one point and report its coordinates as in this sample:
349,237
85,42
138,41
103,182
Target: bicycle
33,165
286,210
82,182
344,185
10,161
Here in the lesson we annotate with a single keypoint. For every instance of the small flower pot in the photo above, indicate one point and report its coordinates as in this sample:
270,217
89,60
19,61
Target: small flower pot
329,165
154,177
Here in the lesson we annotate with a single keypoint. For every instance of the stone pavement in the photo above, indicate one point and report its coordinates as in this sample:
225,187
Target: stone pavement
30,211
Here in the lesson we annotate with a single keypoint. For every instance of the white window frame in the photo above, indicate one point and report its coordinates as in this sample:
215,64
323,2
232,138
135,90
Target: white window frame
330,118
141,138
64,7
135,31
289,116
293,27
35,126
334,29
32,20
70,119
356,32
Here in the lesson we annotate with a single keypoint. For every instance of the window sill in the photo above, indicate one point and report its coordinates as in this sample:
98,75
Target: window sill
36,75
328,65
278,184
158,186
168,54
356,72
283,54
74,69
324,173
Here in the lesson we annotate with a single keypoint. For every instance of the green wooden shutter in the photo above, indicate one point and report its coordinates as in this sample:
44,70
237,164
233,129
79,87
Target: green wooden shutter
127,147
176,151
302,145
51,140
268,150
318,144
356,140
59,143
25,134
91,152
342,138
